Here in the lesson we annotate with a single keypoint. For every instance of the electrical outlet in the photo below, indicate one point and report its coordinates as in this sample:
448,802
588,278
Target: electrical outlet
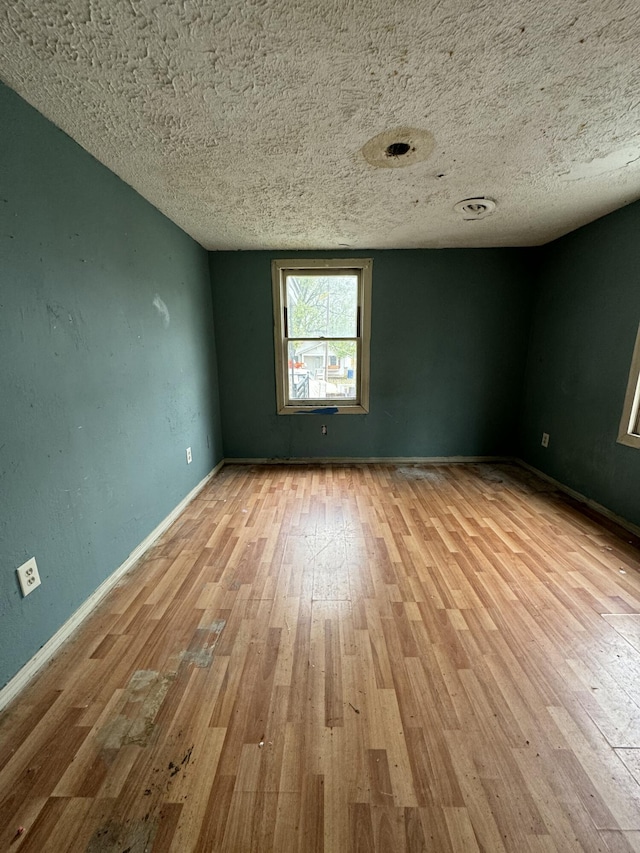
28,576
189,457
323,429
545,439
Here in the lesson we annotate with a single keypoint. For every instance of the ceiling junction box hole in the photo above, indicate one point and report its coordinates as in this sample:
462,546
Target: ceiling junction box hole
397,149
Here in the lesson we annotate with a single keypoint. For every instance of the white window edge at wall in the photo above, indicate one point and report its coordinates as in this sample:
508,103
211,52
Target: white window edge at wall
278,271
630,423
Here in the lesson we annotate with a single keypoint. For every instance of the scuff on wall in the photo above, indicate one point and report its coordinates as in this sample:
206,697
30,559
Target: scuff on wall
162,310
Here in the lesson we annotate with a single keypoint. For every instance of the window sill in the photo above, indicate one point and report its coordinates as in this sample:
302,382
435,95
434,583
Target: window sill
326,409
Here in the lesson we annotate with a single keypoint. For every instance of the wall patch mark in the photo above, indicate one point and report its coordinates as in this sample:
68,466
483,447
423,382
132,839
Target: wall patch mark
162,310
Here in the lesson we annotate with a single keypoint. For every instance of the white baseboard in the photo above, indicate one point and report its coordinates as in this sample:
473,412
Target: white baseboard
43,655
622,522
365,460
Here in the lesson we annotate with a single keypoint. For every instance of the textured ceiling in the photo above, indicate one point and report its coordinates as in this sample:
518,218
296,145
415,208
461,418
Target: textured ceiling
244,122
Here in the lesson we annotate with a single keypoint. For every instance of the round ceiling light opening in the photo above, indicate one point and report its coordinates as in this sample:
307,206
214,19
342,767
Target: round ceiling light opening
475,208
397,149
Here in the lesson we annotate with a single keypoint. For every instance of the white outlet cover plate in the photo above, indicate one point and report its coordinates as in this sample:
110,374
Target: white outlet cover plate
28,576
189,457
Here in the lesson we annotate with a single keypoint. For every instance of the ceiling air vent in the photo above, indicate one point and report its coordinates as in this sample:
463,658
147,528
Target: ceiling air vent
475,208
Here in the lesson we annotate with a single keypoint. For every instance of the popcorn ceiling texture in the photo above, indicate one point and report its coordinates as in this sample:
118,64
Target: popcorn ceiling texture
244,121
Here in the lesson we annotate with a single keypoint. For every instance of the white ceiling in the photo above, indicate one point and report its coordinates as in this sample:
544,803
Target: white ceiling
244,121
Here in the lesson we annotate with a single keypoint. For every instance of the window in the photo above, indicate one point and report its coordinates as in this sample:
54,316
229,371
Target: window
322,326
630,423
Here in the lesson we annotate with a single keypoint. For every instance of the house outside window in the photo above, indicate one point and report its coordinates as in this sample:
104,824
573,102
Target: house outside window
322,327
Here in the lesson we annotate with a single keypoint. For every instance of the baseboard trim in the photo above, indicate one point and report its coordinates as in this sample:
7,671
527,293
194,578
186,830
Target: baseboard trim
365,460
578,496
43,655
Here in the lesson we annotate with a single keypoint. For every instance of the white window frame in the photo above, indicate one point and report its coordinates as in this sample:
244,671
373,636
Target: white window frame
630,423
362,268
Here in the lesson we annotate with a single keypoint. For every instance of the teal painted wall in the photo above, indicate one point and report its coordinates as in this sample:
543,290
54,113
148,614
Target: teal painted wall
449,331
584,327
100,393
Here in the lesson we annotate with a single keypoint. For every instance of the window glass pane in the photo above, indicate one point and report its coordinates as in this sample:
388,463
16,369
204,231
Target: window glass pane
322,370
636,428
322,305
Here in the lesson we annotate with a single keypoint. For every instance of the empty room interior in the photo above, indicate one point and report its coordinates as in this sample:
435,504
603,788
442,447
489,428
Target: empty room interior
319,426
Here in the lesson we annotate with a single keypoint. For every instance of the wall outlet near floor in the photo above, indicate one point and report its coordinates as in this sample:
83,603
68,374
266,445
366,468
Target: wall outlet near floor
323,429
28,576
545,439
189,456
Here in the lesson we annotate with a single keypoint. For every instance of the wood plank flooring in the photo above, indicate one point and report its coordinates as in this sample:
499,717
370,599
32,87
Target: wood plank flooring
346,659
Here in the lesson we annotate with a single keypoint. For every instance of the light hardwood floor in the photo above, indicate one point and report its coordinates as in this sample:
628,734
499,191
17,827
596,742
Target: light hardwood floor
342,659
